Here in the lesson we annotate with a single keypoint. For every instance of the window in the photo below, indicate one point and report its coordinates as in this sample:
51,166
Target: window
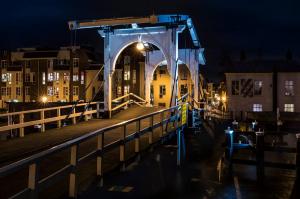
126,72
258,87
27,64
155,75
56,90
44,78
289,88
18,77
3,91
257,107
49,63
56,76
134,76
183,89
27,77
76,90
66,91
66,77
75,62
162,91
289,108
4,77
8,91
82,78
18,91
126,89
235,87
75,77
4,63
50,91
33,77
27,90
9,78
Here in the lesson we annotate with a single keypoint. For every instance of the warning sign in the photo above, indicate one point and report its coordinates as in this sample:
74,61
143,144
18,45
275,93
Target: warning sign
183,114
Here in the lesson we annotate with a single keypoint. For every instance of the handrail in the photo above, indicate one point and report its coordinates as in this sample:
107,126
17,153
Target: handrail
129,101
34,160
42,120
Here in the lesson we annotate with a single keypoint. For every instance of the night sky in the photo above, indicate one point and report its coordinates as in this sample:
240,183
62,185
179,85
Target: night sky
273,26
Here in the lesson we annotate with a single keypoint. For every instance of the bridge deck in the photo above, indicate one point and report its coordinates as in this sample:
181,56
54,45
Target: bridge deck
14,149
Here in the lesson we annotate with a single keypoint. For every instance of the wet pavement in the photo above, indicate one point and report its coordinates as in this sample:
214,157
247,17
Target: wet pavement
157,176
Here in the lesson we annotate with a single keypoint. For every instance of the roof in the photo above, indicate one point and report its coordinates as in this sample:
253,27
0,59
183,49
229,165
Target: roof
263,66
40,54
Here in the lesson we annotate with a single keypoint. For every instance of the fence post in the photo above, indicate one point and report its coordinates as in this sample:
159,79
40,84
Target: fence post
298,159
260,172
152,130
98,110
162,133
137,140
100,142
33,179
43,122
73,162
21,122
122,149
229,134
74,117
58,115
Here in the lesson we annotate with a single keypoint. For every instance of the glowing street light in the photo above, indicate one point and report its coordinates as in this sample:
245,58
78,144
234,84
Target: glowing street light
44,99
140,46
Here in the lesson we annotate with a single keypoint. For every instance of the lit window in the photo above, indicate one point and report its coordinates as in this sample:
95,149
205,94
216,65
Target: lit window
50,77
75,77
56,90
18,91
126,89
9,78
82,78
126,72
56,76
289,108
33,77
235,87
162,91
134,76
3,91
75,62
257,107
44,78
27,90
289,88
66,77
155,75
258,87
50,91
4,77
75,90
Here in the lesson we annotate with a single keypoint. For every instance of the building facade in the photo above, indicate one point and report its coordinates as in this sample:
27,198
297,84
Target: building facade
29,74
263,86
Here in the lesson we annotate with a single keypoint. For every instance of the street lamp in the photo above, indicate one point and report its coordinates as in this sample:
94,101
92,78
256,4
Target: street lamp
140,46
44,99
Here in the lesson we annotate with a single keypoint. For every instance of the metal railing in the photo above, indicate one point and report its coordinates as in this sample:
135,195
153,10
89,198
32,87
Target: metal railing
42,120
36,185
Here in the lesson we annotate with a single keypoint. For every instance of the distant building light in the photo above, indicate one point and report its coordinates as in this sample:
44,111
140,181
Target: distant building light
44,99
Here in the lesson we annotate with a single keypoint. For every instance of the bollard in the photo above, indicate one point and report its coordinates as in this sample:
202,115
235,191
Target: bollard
229,143
260,170
298,159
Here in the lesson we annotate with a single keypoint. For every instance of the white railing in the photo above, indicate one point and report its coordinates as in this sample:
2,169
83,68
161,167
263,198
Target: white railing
128,99
43,120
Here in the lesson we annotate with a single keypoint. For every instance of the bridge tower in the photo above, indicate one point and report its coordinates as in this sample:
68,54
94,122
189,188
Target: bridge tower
161,31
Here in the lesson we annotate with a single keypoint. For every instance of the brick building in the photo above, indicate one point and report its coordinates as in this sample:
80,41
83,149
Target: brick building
28,74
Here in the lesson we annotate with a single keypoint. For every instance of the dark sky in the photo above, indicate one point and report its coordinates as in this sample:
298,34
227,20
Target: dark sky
270,25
